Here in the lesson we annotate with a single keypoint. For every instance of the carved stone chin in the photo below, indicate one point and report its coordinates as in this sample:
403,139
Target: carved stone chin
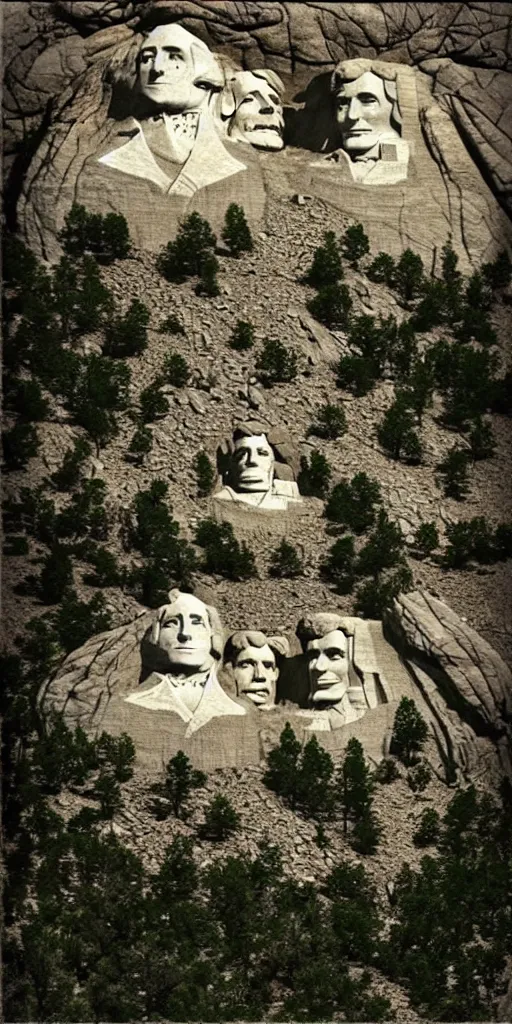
250,472
186,633
254,660
278,497
369,125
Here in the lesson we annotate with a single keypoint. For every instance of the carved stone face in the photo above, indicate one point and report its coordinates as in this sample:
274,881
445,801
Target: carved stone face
186,636
256,673
258,116
363,113
328,667
253,464
167,68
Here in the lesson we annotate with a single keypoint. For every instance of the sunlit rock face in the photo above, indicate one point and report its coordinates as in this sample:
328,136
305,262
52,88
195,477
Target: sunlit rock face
251,109
154,120
254,660
255,472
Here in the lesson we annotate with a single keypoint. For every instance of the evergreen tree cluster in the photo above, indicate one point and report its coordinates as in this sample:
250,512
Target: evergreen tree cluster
105,237
379,564
165,559
305,778
463,369
223,554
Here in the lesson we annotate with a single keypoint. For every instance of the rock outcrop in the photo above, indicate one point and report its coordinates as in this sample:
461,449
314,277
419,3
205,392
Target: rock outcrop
60,60
461,686
473,681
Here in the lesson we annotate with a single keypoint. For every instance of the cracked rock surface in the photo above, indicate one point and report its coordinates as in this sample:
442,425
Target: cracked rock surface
56,55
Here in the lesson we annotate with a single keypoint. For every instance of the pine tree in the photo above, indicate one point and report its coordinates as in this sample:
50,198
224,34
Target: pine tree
355,244
115,240
331,306
429,828
315,793
20,444
426,539
396,431
74,236
224,555
331,422
141,444
482,440
282,766
56,576
208,284
171,325
285,562
205,474
180,779
76,620
73,464
366,833
409,275
326,267
449,260
409,732
106,569
26,399
176,370
478,295
498,274
236,233
383,549
357,374
378,593
355,784
315,475
184,256
339,566
127,335
353,504
420,387
418,777
454,470
276,363
220,819
153,403
242,337
382,269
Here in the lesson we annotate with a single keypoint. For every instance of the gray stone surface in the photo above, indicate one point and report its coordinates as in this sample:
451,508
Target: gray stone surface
473,681
59,60
461,686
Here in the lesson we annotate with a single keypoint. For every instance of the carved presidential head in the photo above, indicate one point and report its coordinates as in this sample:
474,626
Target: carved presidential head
176,71
253,461
324,638
188,632
254,659
366,105
256,455
251,108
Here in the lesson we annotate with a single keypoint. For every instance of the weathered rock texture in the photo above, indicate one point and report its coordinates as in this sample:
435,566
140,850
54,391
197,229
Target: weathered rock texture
460,684
58,59
450,660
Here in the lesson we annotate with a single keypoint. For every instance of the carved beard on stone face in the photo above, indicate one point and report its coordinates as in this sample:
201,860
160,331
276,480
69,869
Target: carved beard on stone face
328,667
258,118
167,69
253,462
186,636
363,113
256,673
